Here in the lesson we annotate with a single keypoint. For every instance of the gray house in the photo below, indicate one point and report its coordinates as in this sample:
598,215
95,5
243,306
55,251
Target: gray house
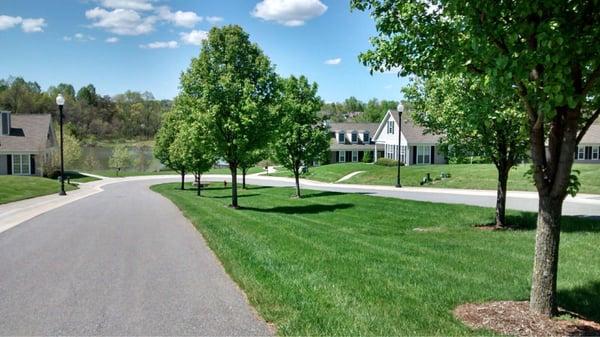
588,150
349,142
26,142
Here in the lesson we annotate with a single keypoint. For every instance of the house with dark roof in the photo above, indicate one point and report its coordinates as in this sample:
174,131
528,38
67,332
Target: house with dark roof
588,150
350,142
26,142
412,146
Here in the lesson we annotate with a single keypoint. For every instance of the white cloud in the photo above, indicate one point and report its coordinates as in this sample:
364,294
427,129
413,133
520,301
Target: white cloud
141,5
160,45
213,20
194,37
333,62
33,25
179,18
121,21
79,37
7,22
291,13
112,40
393,70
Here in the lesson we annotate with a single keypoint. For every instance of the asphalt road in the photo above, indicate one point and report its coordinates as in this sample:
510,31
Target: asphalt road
121,262
583,205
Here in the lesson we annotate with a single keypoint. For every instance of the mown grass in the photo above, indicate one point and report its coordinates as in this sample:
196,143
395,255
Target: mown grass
350,264
14,188
469,176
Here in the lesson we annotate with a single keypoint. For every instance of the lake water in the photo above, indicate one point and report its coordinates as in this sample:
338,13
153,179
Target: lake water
96,157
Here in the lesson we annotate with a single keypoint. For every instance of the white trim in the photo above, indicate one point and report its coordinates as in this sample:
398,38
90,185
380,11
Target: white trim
595,152
581,152
340,156
352,135
354,155
341,132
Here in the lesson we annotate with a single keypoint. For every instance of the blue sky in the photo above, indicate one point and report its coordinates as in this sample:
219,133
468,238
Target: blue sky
144,45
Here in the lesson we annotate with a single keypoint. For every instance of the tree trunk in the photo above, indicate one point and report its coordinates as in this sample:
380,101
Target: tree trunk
501,196
234,196
199,187
297,176
182,180
244,170
545,267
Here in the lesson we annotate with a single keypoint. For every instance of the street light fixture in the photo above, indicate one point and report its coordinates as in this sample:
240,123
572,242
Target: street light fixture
60,101
400,109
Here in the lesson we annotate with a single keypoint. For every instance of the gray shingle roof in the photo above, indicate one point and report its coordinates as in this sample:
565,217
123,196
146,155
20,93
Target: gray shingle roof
29,133
415,134
359,127
592,136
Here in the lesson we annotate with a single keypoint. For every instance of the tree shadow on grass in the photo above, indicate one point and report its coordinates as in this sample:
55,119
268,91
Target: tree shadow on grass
584,300
527,221
239,196
306,209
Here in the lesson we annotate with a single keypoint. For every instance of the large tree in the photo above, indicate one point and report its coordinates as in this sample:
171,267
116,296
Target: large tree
544,51
302,137
235,84
473,121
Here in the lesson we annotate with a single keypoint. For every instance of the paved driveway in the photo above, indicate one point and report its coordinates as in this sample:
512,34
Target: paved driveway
120,262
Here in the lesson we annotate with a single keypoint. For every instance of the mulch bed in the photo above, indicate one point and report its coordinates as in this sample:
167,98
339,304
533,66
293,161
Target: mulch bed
514,318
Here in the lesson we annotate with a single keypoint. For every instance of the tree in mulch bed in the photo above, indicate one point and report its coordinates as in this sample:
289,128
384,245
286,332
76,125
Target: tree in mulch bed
515,318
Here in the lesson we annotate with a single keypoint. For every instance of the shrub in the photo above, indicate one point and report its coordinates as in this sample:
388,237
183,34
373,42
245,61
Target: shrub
388,162
368,157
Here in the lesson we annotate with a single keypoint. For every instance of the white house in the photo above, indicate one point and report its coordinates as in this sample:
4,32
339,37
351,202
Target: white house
413,147
588,150
26,142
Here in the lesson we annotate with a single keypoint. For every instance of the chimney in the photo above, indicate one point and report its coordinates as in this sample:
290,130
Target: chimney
5,123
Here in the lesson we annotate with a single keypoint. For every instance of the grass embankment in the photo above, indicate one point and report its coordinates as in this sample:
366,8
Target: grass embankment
132,173
349,264
14,188
468,176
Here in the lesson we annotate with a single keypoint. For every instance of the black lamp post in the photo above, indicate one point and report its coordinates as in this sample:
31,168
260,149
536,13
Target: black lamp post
400,111
60,101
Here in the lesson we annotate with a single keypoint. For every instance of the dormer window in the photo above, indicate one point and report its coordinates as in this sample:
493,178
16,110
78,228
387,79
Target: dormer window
5,123
354,137
341,137
390,129
366,138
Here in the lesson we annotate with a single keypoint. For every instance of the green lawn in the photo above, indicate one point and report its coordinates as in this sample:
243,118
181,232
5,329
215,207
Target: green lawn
13,188
350,264
475,176
131,173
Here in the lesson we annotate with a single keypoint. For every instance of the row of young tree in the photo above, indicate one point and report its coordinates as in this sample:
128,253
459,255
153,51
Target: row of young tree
233,106
87,113
530,68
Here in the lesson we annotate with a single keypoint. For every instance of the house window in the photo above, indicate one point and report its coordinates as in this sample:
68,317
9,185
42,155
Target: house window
595,151
423,154
342,156
355,156
581,152
403,154
341,137
20,164
366,138
389,151
390,129
354,137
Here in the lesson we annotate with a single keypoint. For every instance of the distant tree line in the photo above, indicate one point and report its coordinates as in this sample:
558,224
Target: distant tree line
355,110
88,114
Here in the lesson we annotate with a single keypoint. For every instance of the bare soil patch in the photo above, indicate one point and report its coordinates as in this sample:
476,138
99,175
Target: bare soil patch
514,318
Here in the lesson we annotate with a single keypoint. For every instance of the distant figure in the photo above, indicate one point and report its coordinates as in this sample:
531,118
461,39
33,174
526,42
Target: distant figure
225,183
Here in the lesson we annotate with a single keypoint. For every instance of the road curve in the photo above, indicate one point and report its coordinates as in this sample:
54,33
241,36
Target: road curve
120,262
